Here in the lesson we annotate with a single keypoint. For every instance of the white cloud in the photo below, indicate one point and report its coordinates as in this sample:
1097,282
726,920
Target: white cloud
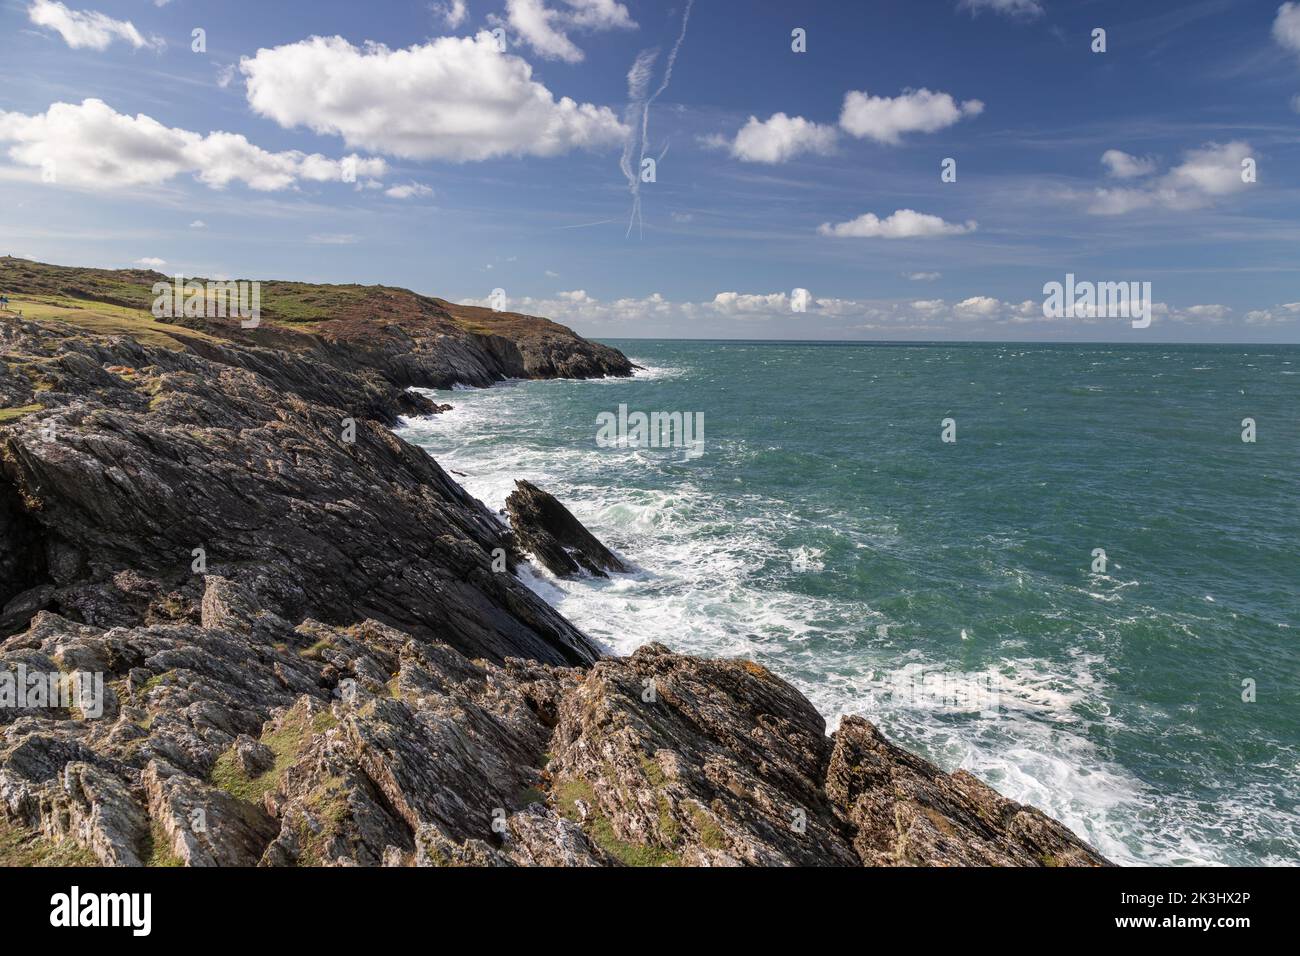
903,224
1212,170
1290,312
545,29
226,75
1122,165
885,119
151,262
922,276
93,145
780,138
198,224
455,98
1116,202
409,191
1286,28
87,28
1205,175
452,12
928,316
1028,9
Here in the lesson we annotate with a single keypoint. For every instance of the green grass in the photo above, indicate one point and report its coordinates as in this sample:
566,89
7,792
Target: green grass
314,653
19,847
160,852
13,414
105,318
711,835
598,827
328,804
287,743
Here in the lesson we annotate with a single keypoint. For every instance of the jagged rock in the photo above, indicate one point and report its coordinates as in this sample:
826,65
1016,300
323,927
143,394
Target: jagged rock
908,812
702,762
554,536
95,808
23,607
185,466
205,826
253,758
251,741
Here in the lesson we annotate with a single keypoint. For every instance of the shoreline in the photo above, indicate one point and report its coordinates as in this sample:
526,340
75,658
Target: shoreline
569,596
310,657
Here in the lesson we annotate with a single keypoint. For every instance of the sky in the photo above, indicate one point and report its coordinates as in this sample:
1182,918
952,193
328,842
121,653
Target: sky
465,146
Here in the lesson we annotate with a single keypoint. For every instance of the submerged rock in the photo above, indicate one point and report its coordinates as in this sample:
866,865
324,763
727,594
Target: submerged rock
557,539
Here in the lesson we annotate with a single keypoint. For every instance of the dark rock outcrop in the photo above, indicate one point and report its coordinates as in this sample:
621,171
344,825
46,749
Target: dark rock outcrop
550,532
246,740
148,467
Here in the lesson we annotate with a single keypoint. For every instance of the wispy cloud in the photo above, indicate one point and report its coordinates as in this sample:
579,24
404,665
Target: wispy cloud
88,29
638,79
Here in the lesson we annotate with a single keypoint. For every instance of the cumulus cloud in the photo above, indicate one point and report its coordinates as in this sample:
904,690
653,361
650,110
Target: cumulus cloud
412,190
1205,175
1286,28
1289,312
546,29
198,224
1121,165
451,12
922,276
903,224
780,138
455,98
151,262
885,119
974,314
87,29
93,145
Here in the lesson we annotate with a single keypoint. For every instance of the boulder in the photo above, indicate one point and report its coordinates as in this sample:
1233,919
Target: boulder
555,537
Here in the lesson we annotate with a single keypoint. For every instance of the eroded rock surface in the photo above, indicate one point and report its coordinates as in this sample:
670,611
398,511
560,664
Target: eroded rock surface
148,466
559,541
246,740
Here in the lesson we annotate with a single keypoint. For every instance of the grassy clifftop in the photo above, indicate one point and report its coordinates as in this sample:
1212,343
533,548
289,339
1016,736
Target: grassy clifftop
119,301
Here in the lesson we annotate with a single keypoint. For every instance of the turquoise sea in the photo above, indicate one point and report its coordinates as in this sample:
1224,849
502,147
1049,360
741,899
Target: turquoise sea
951,591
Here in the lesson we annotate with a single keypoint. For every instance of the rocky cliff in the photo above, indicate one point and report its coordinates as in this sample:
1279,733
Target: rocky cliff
313,650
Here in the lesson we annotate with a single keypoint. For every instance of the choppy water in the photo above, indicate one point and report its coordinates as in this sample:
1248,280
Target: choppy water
829,533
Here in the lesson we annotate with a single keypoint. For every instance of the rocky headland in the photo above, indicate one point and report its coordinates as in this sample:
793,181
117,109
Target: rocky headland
312,646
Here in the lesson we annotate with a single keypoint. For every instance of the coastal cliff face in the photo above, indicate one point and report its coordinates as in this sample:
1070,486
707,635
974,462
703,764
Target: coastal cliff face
312,650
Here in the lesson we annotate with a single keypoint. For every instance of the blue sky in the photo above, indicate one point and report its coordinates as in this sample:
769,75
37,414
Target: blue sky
474,169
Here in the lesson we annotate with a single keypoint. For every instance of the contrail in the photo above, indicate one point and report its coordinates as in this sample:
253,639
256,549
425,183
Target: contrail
638,79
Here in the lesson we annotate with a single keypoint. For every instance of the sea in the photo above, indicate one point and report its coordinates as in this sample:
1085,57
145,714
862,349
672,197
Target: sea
1072,570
